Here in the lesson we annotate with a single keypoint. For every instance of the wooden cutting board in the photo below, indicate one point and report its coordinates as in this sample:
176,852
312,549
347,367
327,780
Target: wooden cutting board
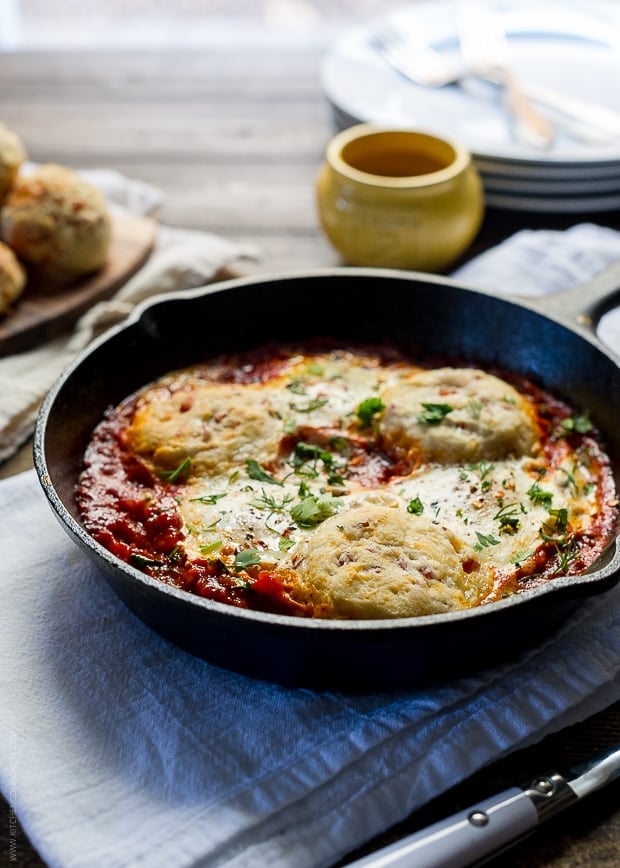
38,317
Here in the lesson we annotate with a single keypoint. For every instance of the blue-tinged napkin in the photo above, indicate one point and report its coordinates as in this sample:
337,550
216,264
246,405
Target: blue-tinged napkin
536,262
118,749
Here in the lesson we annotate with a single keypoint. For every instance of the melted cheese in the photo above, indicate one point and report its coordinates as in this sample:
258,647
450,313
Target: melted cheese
328,473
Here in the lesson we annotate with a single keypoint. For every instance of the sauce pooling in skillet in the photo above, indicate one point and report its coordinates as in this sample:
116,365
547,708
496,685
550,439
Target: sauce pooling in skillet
347,483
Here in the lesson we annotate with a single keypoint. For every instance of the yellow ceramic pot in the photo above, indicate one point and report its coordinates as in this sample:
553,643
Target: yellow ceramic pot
398,198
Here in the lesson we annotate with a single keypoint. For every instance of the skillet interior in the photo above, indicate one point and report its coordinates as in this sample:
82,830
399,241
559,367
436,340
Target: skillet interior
423,314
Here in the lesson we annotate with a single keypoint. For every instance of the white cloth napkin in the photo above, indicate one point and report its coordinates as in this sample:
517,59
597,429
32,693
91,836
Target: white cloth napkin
182,259
118,749
545,261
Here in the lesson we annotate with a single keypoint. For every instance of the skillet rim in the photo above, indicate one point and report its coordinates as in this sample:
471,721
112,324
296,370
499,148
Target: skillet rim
595,580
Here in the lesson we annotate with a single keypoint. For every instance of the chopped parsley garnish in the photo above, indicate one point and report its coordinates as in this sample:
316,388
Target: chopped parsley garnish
415,506
433,414
305,461
207,498
211,547
142,561
571,482
180,473
522,556
312,510
176,555
286,543
368,409
485,541
539,496
310,452
561,518
315,404
297,385
255,471
555,529
247,558
581,424
556,532
567,553
506,516
484,468
267,501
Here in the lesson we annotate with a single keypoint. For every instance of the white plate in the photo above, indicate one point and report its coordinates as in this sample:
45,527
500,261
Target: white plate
569,172
521,186
572,46
553,204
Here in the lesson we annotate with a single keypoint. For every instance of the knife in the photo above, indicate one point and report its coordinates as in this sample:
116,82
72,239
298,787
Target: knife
492,826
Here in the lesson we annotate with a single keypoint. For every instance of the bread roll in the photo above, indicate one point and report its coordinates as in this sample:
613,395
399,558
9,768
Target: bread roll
12,155
456,415
381,562
58,225
219,426
12,279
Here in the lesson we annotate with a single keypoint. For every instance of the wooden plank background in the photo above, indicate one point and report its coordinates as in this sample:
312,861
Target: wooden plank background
198,114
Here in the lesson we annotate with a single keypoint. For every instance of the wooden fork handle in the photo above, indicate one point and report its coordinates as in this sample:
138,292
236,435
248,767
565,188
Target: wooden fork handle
531,126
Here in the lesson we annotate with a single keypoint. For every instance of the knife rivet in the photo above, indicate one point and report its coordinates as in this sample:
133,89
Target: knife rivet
543,785
478,818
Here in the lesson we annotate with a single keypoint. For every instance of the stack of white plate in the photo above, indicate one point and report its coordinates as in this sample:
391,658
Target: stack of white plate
569,46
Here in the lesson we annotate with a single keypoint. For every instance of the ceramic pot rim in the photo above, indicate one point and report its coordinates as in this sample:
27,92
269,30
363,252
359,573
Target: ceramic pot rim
461,161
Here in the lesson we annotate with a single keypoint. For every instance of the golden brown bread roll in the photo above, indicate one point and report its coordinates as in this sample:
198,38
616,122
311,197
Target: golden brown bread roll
454,415
58,224
219,426
12,278
377,561
12,155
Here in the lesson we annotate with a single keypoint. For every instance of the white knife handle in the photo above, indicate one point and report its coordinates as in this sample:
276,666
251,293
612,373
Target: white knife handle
463,838
601,118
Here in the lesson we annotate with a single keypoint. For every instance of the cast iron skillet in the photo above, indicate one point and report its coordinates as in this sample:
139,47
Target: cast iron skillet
424,313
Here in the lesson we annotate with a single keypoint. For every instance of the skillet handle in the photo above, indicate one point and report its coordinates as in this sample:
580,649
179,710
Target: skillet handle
581,306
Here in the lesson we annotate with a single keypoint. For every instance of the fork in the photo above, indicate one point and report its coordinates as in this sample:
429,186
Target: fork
486,53
420,63
414,58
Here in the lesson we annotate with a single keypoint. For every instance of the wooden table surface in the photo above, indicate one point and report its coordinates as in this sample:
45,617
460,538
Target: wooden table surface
234,139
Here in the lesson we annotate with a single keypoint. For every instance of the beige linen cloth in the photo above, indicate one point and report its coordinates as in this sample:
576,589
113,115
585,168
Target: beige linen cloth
182,259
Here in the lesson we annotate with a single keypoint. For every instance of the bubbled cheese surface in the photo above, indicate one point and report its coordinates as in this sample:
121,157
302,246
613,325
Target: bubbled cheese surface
330,472
376,561
476,416
217,426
